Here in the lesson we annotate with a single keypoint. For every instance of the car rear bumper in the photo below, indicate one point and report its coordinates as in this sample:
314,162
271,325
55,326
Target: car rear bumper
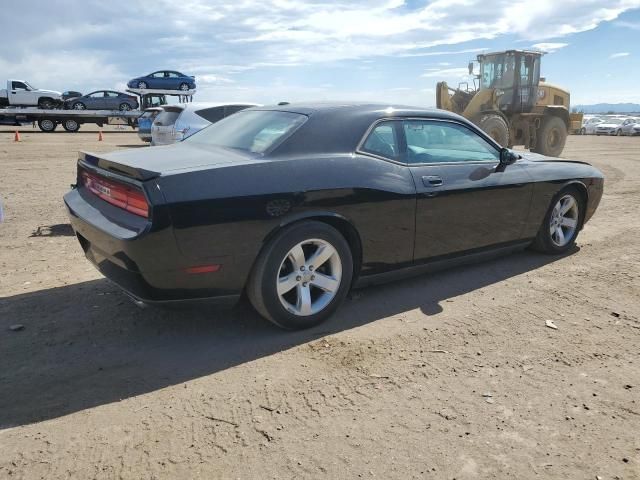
146,264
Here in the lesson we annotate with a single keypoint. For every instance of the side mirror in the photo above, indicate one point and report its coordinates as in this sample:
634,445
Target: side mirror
470,68
507,157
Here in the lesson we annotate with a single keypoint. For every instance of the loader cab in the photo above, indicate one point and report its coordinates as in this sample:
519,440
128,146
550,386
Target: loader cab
514,75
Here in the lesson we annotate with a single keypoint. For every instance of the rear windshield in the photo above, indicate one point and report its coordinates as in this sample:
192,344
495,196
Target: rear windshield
167,118
255,131
212,115
150,114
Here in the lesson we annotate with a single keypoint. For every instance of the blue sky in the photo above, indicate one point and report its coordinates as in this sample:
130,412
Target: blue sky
268,51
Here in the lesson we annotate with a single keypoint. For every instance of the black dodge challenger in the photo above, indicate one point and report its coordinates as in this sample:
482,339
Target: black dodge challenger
296,204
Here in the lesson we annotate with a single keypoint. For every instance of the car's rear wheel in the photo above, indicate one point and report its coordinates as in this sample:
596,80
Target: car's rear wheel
583,131
302,275
562,222
142,85
125,107
184,87
71,125
79,106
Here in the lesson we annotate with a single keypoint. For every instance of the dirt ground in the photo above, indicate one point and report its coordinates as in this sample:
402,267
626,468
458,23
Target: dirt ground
451,375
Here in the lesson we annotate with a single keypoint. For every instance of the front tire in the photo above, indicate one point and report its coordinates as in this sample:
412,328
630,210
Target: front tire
551,137
302,275
562,223
79,106
583,131
46,104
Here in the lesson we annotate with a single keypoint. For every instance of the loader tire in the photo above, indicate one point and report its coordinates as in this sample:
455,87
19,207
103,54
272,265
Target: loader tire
496,127
551,137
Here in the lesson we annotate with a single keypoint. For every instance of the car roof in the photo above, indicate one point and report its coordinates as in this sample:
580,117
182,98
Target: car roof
360,109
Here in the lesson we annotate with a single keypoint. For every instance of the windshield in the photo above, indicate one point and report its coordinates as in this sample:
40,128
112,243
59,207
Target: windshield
497,71
255,131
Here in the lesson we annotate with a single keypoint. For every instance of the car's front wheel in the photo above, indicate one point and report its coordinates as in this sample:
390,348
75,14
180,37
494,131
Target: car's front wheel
562,223
302,276
79,106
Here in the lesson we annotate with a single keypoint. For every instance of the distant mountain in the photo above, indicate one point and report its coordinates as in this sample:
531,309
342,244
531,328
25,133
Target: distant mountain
608,107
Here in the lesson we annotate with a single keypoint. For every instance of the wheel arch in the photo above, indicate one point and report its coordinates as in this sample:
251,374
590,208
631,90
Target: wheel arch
584,192
559,112
337,221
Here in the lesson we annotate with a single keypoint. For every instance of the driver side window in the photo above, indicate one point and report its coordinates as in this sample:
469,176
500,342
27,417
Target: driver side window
442,142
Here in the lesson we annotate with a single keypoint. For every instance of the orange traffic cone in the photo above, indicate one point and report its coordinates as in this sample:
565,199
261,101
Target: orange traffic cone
100,135
16,137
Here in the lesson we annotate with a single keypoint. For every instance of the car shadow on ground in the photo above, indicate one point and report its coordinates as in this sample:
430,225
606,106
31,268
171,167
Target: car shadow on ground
58,230
86,345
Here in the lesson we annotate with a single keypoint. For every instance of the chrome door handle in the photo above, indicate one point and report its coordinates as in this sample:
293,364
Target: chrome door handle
432,180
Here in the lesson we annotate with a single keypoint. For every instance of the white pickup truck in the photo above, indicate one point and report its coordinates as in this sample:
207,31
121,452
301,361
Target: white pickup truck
20,94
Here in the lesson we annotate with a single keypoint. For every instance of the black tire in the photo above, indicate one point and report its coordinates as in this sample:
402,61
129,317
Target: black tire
496,127
71,125
143,85
618,133
184,87
47,125
79,106
124,107
551,137
543,242
262,286
46,104
583,131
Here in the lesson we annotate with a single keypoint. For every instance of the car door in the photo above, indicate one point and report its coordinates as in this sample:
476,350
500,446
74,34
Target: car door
19,94
111,100
463,203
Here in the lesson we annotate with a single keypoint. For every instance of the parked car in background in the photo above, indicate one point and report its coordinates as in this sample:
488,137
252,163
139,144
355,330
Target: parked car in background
164,80
145,121
296,204
103,100
610,126
628,126
589,126
69,94
20,94
178,122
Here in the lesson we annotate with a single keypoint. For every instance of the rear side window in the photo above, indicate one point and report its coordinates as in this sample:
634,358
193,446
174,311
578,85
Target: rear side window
382,141
212,115
167,118
256,131
231,109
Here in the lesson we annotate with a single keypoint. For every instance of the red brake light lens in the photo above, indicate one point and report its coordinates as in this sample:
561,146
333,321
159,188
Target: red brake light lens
128,198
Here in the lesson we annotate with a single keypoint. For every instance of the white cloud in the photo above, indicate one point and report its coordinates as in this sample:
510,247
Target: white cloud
446,72
549,47
625,24
619,55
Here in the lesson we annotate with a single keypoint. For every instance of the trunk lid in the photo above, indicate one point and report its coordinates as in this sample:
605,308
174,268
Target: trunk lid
147,163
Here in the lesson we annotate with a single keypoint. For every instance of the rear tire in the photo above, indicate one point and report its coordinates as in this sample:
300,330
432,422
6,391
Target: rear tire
124,107
284,285
71,126
143,85
569,222
184,87
551,137
496,127
47,125
583,131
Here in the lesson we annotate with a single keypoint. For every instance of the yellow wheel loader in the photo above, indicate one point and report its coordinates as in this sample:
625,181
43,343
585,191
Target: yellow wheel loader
512,103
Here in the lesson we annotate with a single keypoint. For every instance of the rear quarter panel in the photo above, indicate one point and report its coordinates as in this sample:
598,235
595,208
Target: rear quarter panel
232,209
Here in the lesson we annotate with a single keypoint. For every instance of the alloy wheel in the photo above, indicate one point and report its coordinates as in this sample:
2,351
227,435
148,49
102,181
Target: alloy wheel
79,106
564,220
309,277
184,87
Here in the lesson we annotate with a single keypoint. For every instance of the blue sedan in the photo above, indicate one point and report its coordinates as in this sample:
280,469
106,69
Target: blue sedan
164,80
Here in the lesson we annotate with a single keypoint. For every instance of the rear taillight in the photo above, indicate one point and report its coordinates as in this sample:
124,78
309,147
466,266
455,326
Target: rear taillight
128,198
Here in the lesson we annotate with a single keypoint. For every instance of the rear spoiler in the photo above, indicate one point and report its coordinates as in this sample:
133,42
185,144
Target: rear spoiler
97,164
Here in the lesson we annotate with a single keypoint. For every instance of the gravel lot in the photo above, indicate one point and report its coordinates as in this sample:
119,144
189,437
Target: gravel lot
452,375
